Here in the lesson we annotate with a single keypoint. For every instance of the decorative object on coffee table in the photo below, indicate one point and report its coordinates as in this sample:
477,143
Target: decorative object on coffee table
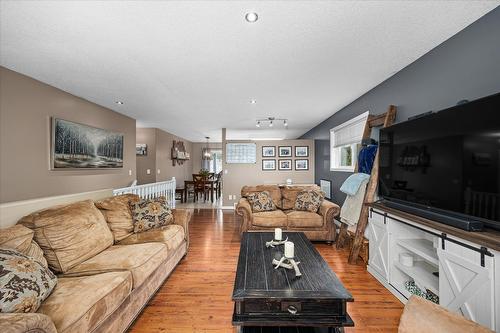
287,260
265,296
277,238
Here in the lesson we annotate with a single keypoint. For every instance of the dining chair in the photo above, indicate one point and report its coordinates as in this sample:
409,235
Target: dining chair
199,186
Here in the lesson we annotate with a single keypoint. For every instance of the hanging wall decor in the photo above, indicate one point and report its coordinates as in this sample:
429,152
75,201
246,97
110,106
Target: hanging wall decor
179,154
78,146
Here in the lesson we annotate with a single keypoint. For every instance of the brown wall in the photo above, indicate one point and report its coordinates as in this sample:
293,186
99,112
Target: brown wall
239,175
159,157
26,108
147,136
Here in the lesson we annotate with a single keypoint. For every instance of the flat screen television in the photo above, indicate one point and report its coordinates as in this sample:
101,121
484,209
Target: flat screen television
446,165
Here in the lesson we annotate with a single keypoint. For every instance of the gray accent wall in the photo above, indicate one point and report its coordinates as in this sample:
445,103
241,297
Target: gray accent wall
466,66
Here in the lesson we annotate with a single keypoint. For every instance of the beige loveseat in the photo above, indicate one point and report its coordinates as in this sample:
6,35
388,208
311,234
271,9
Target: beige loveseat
106,273
316,226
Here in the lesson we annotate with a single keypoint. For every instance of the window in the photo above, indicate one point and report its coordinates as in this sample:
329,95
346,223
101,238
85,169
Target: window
241,153
345,142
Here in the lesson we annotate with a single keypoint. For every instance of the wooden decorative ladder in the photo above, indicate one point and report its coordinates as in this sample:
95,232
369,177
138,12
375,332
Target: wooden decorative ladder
382,120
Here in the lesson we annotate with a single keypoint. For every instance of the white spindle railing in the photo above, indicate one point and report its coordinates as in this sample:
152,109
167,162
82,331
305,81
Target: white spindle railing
152,190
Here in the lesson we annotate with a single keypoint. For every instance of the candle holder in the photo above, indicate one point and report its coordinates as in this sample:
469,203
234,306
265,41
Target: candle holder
275,242
288,263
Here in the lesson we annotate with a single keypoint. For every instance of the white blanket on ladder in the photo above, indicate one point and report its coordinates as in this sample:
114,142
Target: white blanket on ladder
351,209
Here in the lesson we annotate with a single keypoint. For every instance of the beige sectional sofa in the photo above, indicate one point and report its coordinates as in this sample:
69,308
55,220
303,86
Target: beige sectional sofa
317,226
106,273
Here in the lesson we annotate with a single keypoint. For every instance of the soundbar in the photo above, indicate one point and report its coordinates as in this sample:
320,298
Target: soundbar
461,221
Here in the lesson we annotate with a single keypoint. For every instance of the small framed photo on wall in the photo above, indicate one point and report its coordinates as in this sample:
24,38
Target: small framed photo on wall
301,151
268,151
285,151
285,165
268,165
301,164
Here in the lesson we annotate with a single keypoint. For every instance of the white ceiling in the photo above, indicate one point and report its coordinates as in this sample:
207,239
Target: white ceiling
191,67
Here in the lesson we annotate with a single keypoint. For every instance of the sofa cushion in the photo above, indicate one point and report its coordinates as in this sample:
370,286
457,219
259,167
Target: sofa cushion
140,259
302,219
24,282
309,200
150,213
275,218
117,212
69,234
289,194
274,192
171,235
80,304
20,238
261,202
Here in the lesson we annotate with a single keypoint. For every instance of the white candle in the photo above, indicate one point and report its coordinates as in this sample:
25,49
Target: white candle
289,250
277,234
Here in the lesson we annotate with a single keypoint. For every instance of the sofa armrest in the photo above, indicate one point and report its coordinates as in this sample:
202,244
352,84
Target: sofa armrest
421,315
244,210
182,217
26,322
328,210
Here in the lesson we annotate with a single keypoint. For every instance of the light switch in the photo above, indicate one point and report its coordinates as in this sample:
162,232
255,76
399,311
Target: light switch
158,171
148,171
225,171
130,172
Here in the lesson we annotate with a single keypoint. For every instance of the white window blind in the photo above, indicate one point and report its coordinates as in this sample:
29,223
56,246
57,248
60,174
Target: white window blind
241,153
345,140
349,132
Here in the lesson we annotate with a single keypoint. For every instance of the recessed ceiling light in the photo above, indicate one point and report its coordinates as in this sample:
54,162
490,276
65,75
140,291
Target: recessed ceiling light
253,101
251,17
119,102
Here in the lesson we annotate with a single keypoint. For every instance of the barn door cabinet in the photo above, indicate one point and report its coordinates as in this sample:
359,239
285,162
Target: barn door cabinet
464,274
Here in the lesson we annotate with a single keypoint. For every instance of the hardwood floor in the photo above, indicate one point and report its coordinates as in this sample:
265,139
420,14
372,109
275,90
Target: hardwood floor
197,296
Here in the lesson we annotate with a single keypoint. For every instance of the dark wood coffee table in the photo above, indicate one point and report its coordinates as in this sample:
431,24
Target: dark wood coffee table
268,297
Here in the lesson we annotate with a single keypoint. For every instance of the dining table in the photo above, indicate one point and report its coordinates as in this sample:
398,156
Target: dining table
208,182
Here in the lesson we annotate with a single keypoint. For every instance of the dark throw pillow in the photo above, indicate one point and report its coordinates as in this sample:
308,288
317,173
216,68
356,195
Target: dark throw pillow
24,282
150,213
309,200
261,202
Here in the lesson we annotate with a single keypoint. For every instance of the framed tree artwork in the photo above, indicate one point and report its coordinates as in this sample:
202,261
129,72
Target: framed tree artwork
268,165
285,165
268,151
78,146
301,165
285,151
301,151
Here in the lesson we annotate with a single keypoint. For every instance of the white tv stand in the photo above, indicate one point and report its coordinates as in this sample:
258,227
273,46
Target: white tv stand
467,263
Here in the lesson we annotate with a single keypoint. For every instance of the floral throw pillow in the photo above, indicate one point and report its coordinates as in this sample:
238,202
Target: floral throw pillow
309,200
24,282
261,202
150,213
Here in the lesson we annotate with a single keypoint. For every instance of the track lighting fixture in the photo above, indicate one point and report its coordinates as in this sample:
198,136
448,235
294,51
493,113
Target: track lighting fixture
270,121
